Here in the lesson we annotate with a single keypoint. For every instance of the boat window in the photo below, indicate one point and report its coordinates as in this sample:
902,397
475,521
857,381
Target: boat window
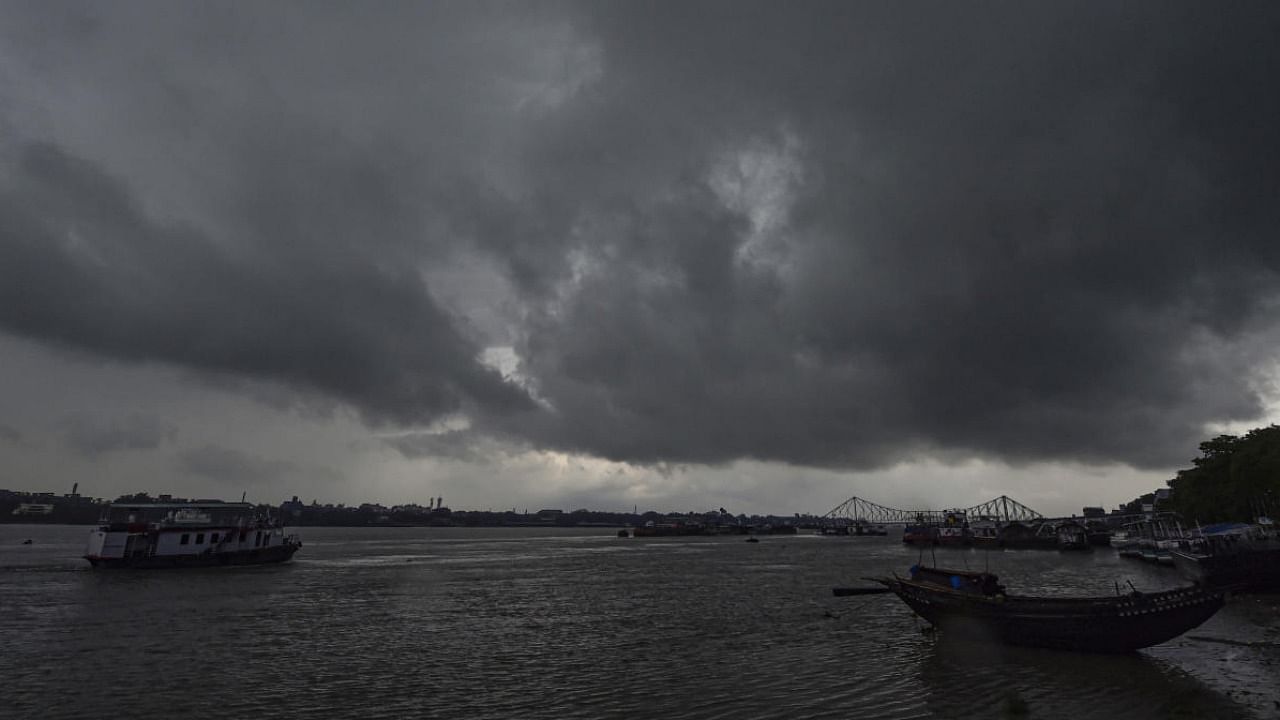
186,539
213,538
243,535
199,538
257,539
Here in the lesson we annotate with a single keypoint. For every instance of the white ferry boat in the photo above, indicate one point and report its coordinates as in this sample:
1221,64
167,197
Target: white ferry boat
156,535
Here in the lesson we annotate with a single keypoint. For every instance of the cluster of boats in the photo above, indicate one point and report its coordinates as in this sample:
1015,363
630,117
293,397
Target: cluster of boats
868,529
1229,555
1237,556
1153,539
985,532
1217,559
652,529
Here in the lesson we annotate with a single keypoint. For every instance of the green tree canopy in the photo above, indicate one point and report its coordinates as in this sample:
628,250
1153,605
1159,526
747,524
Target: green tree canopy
1235,478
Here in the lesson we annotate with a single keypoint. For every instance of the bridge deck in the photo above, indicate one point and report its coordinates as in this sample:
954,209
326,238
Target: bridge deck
1001,509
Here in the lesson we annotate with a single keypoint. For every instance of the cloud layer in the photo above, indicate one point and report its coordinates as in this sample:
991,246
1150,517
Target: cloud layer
92,436
836,236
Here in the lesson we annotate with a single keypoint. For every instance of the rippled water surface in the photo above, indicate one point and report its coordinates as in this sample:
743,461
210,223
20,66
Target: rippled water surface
551,623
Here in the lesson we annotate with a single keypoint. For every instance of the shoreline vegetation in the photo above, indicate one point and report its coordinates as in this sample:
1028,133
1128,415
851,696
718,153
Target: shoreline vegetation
1236,478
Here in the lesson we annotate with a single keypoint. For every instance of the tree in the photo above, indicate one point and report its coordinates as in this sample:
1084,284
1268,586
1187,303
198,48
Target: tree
1235,478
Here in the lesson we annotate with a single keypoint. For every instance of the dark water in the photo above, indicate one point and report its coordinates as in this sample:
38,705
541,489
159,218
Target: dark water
391,623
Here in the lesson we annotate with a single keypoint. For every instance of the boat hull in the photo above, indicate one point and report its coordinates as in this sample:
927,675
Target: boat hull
920,535
1100,539
871,530
1245,570
1107,625
256,556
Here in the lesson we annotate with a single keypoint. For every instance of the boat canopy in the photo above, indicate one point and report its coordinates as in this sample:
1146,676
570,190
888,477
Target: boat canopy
201,513
1226,528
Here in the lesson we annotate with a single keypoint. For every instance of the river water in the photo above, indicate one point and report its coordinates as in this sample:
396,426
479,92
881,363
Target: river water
555,623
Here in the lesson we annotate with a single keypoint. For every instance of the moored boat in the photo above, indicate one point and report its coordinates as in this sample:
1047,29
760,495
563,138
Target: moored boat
863,528
1018,535
1126,545
1098,532
195,534
1072,536
920,534
985,534
1233,555
1158,537
975,604
954,529
665,529
953,535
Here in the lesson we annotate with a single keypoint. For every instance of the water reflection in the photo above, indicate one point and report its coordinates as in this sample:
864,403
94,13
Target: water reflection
963,679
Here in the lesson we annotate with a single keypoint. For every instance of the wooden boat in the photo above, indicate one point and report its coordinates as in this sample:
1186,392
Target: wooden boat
1233,555
920,534
953,536
1017,535
985,534
1098,532
1072,536
975,604
954,530
1126,545
863,528
1158,537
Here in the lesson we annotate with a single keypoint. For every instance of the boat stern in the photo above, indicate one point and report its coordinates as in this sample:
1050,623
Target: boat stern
104,545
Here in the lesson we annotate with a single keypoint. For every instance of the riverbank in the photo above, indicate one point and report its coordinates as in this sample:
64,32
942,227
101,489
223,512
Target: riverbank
1237,653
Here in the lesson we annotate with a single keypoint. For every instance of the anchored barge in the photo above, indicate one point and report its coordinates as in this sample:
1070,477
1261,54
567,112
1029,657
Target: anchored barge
198,534
975,604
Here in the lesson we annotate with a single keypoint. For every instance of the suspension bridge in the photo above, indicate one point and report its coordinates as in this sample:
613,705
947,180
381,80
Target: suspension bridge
860,511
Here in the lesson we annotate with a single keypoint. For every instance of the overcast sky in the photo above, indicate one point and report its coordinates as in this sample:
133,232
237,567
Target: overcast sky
680,255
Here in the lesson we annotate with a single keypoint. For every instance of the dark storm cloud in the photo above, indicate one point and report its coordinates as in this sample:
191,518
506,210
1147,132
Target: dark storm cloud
93,436
459,445
1032,233
10,434
81,266
832,234
238,469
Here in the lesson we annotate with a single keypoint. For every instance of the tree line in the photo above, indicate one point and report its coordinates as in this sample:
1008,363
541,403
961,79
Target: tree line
1235,478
